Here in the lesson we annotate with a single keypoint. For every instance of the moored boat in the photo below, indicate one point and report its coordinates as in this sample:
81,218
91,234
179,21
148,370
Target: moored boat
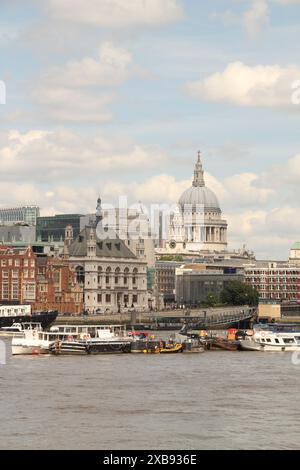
112,340
10,314
165,349
272,337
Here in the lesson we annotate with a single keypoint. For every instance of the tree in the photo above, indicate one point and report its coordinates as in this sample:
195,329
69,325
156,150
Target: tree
212,300
238,293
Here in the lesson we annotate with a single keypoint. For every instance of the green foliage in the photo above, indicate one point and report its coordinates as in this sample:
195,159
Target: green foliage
238,293
171,258
212,300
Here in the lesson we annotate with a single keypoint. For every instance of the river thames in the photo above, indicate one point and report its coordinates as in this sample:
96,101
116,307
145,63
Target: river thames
215,400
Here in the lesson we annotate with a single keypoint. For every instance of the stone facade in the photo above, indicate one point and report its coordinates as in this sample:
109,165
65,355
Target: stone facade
112,276
197,225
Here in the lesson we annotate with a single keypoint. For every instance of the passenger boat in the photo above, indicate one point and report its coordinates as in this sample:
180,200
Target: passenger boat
10,314
112,340
17,329
272,337
33,341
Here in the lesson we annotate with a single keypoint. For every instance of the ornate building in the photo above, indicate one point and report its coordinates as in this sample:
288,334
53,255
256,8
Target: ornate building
111,275
197,225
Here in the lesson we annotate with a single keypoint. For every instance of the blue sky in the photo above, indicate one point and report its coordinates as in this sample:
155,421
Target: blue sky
116,97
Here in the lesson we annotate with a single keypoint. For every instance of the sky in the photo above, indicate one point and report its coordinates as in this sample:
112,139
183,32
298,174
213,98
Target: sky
116,97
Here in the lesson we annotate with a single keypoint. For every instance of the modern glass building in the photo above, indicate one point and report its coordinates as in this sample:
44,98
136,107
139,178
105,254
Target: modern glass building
52,228
18,215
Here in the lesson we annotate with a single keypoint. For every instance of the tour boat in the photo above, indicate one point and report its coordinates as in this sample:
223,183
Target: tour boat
33,341
272,337
10,314
109,340
17,329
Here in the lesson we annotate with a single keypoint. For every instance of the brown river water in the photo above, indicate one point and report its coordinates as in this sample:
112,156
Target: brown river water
214,400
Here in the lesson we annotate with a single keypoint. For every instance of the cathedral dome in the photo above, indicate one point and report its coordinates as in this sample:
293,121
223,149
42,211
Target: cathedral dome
199,194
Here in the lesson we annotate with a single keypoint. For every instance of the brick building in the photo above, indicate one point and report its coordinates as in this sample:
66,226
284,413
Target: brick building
47,283
275,280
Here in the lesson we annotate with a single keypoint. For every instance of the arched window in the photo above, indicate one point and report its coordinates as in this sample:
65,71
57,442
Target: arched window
99,274
134,277
107,276
117,275
126,273
80,274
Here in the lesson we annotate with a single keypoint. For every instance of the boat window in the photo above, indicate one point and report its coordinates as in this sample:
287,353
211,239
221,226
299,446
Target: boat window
288,340
276,340
262,340
268,340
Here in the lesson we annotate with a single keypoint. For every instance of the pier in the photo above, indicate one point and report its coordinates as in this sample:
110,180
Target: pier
171,319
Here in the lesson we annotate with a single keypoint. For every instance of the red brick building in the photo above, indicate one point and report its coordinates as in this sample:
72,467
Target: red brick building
57,286
275,280
46,283
17,276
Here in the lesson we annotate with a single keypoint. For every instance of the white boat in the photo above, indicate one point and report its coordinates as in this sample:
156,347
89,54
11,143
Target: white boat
272,337
61,339
17,329
34,341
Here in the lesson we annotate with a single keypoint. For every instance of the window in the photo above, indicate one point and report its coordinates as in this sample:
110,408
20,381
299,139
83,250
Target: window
117,275
126,272
107,277
10,262
15,291
135,271
3,263
288,340
80,274
15,274
134,299
5,291
268,340
276,340
30,291
5,274
17,263
99,298
32,263
108,298
26,263
99,275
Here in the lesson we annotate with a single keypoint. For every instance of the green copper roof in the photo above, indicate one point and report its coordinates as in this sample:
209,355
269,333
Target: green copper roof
296,246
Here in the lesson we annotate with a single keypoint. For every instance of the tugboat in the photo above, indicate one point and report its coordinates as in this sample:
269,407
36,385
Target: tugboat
164,349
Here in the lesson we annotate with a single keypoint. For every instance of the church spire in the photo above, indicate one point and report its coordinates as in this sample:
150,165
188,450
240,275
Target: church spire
198,172
99,215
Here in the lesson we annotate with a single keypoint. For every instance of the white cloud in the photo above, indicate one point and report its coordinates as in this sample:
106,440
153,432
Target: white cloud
257,17
111,68
48,157
69,105
81,90
239,84
117,13
287,2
